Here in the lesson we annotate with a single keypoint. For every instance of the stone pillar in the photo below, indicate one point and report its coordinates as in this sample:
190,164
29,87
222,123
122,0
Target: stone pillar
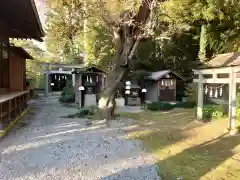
103,81
79,92
73,80
46,90
90,100
200,98
232,102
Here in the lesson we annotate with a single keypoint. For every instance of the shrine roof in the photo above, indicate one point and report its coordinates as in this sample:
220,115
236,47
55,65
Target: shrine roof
225,60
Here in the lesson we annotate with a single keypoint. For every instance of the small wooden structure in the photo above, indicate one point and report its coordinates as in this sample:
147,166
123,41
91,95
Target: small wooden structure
163,85
133,99
21,23
92,80
223,69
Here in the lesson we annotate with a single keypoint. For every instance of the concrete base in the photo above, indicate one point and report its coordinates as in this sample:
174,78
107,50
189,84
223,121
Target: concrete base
233,132
90,100
120,102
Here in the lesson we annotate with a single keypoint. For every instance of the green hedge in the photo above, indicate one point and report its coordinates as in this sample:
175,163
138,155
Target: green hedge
83,112
67,98
67,95
67,90
165,106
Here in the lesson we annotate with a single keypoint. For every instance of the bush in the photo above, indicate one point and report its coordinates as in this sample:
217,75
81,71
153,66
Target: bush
165,106
213,112
191,93
83,112
67,98
67,90
156,106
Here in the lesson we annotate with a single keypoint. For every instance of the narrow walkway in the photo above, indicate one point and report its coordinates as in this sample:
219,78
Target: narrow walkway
45,146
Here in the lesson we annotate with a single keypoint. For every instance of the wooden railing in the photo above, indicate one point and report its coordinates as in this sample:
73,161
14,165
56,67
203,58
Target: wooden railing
11,105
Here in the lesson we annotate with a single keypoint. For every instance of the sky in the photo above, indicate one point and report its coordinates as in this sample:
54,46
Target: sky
41,9
40,4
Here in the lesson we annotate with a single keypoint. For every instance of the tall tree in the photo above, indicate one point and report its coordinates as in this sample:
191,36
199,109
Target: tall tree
64,22
196,14
128,29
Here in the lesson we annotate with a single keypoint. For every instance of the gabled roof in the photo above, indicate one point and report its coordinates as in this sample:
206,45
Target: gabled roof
20,19
223,60
160,74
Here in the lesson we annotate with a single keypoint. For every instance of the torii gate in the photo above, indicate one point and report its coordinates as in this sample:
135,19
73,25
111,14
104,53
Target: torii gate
58,69
230,77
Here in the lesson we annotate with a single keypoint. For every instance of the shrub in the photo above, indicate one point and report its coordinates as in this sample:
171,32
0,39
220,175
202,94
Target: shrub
83,112
213,112
67,90
67,98
191,93
165,106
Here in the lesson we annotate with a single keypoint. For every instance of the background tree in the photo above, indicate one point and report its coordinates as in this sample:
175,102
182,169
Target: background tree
32,66
64,22
206,17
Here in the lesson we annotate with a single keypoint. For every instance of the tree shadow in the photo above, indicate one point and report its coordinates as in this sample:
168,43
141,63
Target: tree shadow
197,161
143,172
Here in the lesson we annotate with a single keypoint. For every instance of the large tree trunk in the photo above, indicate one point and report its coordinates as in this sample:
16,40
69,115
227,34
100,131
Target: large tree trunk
126,45
107,101
128,32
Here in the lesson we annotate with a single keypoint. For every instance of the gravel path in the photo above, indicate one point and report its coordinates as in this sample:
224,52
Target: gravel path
45,146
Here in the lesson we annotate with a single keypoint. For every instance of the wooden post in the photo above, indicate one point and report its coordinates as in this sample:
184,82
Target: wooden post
1,118
46,84
200,98
232,102
80,93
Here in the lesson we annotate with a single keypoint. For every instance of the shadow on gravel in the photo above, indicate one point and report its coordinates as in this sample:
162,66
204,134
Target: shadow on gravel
144,172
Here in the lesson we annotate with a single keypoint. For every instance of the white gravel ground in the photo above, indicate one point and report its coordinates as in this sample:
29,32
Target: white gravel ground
49,147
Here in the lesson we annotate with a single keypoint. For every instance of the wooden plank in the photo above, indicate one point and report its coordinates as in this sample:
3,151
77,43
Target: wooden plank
1,113
11,95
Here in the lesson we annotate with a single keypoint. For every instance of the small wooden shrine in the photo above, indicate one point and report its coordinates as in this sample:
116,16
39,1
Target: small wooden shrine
89,83
133,98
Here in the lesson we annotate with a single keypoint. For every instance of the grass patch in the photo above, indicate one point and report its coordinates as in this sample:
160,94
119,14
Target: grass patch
187,148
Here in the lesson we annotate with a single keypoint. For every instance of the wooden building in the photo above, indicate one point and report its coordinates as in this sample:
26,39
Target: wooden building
163,86
22,23
89,83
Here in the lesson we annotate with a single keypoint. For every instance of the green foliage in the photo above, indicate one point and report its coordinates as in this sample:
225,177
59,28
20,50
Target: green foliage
82,112
165,106
67,95
213,112
64,22
238,104
191,93
86,111
67,98
67,90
